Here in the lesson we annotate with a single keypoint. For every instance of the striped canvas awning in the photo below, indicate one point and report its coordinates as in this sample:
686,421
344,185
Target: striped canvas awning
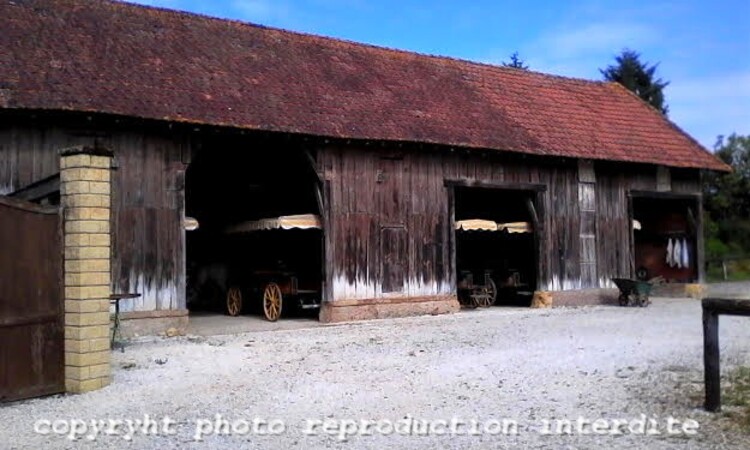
300,221
489,225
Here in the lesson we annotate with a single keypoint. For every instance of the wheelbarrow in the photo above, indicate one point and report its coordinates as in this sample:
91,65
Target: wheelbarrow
633,292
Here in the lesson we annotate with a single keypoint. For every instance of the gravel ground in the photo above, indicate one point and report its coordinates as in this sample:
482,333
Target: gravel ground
518,365
736,289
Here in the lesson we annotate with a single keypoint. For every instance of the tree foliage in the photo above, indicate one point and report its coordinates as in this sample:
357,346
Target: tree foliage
516,62
638,77
727,200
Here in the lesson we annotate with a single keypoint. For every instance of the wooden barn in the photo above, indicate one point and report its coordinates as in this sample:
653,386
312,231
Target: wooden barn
215,123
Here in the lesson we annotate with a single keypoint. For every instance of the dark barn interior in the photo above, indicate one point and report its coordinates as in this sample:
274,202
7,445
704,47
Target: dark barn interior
510,258
232,181
663,222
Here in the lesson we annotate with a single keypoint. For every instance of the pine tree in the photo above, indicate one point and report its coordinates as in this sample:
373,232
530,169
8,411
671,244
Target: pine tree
639,78
516,62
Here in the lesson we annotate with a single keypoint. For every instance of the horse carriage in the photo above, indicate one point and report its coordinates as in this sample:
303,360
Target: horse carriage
478,285
475,295
272,265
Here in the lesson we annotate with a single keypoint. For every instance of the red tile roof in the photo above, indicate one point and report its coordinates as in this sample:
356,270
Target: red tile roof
102,56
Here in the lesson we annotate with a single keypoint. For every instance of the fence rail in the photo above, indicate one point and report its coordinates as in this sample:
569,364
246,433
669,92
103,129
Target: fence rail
712,308
729,267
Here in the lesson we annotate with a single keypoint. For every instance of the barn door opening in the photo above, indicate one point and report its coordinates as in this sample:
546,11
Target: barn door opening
257,251
497,248
666,230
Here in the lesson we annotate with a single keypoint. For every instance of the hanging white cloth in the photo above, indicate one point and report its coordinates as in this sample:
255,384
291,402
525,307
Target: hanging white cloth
677,255
685,254
670,249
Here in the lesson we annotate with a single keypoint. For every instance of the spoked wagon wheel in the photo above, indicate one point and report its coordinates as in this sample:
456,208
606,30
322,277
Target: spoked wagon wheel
624,300
487,294
643,300
234,301
272,302
466,299
474,298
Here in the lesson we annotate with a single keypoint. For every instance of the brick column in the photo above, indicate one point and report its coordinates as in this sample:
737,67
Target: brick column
85,200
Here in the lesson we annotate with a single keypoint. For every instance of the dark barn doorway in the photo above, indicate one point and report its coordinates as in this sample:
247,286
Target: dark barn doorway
503,257
258,246
665,237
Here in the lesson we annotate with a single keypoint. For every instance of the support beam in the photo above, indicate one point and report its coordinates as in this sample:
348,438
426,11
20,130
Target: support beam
40,190
712,372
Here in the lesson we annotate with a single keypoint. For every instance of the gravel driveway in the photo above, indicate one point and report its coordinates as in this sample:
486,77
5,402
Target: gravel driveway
506,369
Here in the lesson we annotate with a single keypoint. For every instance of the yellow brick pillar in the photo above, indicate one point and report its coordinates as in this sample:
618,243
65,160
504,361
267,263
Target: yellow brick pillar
86,202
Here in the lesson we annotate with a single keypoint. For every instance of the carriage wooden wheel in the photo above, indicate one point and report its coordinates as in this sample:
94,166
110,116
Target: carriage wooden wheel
234,301
272,302
487,294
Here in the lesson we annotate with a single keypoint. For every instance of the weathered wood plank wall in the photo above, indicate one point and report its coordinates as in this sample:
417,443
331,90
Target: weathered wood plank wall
389,210
148,200
367,242
390,214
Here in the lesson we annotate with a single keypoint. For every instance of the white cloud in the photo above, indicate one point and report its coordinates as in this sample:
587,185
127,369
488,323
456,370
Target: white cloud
709,106
580,50
704,106
595,38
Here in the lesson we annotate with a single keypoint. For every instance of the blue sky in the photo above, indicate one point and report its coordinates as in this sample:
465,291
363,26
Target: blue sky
702,47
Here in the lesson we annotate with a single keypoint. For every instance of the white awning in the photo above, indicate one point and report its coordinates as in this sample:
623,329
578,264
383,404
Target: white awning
190,223
489,225
300,221
476,225
515,227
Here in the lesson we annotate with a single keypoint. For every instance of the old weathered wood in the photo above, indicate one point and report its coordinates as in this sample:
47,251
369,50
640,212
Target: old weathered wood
31,299
147,196
712,308
576,249
725,306
711,368
479,183
663,195
700,244
368,193
44,188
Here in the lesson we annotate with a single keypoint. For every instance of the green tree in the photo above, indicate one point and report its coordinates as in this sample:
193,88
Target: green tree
727,199
638,77
516,62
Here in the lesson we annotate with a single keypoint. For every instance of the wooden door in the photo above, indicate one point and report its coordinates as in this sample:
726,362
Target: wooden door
31,306
393,232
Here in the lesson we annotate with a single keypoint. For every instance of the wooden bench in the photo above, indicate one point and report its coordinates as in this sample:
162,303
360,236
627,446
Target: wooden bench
712,308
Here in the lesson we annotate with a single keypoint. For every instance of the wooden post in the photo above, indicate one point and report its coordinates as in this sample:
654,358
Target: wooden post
724,267
712,308
712,372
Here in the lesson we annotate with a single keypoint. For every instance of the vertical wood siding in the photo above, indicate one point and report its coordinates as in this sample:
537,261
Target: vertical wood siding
584,233
361,248
389,225
147,187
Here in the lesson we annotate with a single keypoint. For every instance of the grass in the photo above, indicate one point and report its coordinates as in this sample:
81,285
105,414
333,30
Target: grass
735,398
736,271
